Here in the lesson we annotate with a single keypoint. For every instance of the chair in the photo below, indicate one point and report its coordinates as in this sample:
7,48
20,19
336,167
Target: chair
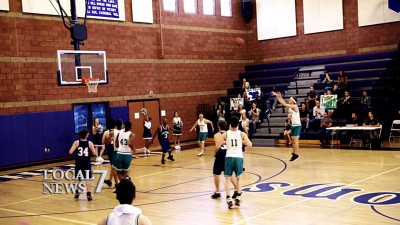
395,129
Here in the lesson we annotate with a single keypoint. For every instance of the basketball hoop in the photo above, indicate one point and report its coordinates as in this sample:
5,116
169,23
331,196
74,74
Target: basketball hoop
91,83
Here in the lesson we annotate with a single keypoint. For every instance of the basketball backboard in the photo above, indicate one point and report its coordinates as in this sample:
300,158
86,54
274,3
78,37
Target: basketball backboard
73,65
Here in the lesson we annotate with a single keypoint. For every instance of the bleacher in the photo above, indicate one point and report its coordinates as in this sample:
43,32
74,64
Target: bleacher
370,72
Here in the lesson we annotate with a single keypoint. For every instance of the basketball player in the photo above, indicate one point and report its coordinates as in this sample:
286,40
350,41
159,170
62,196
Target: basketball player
147,134
97,130
80,148
177,133
163,131
202,123
108,141
234,140
125,213
296,123
219,162
123,158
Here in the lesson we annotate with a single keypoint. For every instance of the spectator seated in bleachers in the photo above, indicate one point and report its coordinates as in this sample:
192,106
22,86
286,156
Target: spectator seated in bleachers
312,96
240,110
328,82
318,113
342,82
304,117
219,102
324,134
220,113
254,115
330,111
345,106
365,104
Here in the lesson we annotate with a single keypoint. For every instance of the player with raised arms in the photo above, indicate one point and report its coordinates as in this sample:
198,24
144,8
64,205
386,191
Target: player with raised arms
202,123
296,122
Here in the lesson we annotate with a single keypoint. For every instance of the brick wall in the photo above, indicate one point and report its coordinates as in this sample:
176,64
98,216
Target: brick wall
200,60
351,40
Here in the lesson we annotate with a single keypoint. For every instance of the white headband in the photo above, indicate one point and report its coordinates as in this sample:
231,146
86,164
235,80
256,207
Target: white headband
291,98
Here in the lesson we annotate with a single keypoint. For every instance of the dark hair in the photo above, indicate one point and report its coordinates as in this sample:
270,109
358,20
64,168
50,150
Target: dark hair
83,133
110,124
126,191
222,124
128,126
175,112
234,121
119,123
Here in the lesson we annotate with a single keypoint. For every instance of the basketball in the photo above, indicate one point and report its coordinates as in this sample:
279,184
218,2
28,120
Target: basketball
239,41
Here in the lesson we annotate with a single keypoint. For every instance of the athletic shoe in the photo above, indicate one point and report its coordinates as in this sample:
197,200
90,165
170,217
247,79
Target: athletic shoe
229,202
99,159
176,147
76,194
108,182
179,147
201,153
162,161
216,195
294,157
148,151
171,157
89,196
236,197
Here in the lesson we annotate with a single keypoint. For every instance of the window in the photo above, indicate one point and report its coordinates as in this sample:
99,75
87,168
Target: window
209,7
226,8
85,113
170,5
190,6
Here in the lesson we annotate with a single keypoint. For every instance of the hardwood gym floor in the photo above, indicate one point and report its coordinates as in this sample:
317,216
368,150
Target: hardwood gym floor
324,186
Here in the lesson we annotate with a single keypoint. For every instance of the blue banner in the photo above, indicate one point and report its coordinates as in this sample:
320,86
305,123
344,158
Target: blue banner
103,8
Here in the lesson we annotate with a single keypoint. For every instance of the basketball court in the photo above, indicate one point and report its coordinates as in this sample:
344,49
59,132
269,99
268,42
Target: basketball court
325,186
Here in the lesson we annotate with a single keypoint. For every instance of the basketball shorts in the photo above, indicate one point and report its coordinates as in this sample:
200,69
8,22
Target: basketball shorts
165,146
147,135
178,131
233,164
83,172
219,162
122,162
202,136
97,139
295,131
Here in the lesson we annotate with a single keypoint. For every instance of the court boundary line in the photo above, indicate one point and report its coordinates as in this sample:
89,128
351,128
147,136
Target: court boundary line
46,216
304,200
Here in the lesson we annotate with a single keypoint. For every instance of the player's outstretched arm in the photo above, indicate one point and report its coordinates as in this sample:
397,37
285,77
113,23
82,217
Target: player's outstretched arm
217,136
280,99
194,127
155,133
73,147
94,152
211,123
246,140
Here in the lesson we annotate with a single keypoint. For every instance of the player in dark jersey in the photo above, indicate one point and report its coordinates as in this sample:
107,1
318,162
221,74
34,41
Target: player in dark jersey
80,148
163,131
108,142
147,134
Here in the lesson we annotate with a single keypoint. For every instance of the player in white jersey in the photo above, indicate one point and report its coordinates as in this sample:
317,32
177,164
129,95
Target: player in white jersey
296,122
234,139
123,158
125,213
203,132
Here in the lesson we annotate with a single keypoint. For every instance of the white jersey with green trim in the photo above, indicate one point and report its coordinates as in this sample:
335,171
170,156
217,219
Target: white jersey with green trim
203,125
123,140
234,143
124,214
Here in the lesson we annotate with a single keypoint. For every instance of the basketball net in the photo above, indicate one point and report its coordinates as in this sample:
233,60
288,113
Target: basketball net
91,83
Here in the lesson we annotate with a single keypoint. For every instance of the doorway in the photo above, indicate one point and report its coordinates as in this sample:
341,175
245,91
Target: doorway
137,118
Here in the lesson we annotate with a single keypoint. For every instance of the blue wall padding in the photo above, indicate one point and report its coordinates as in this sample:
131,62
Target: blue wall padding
6,139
